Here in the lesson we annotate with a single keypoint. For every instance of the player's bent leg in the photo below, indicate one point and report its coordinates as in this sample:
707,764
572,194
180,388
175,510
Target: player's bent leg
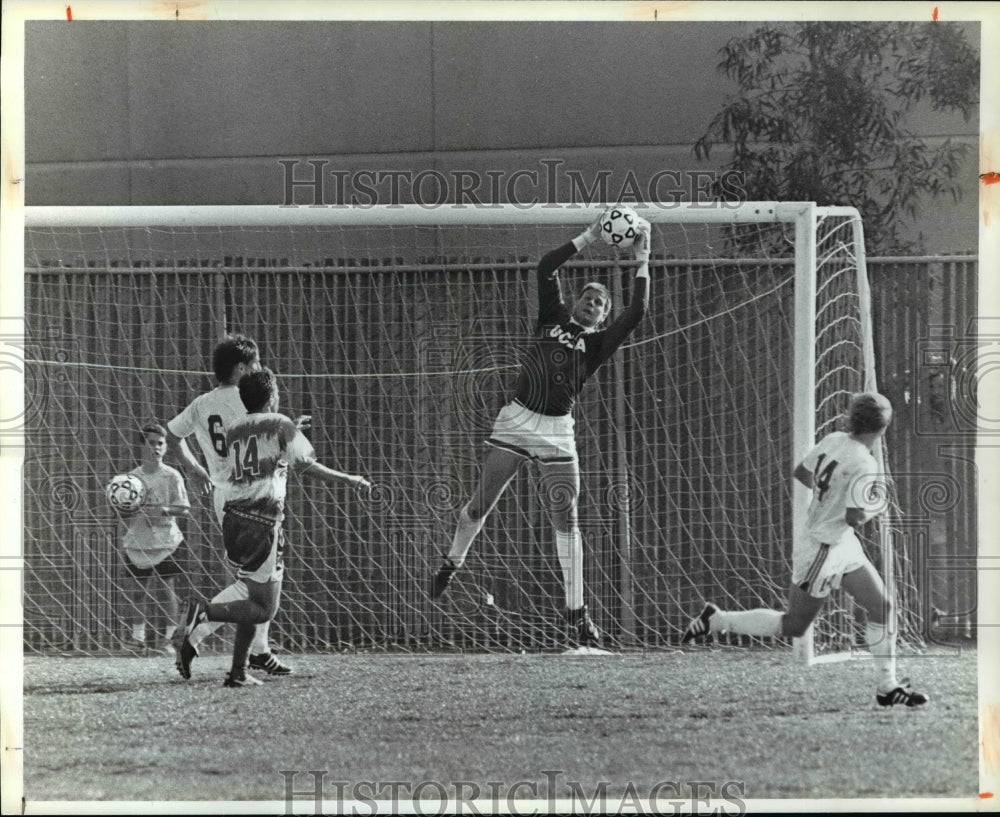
762,623
801,613
204,628
498,470
259,606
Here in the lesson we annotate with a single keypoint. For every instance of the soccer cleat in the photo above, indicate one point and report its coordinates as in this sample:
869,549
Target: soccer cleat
442,578
902,694
271,665
183,656
184,650
240,678
586,633
699,627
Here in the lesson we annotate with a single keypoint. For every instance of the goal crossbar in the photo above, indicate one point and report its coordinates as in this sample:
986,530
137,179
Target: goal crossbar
388,215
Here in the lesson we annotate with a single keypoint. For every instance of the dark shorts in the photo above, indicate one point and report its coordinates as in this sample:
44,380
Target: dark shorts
254,544
165,569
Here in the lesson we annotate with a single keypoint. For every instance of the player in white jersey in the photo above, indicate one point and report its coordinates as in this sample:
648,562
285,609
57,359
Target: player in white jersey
262,447
153,544
207,418
847,490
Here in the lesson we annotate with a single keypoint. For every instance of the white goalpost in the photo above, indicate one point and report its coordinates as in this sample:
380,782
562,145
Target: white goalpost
400,329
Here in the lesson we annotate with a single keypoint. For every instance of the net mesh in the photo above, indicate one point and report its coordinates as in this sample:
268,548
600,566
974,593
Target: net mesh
402,343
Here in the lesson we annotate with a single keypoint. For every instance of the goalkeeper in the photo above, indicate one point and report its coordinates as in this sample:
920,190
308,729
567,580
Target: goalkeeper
537,424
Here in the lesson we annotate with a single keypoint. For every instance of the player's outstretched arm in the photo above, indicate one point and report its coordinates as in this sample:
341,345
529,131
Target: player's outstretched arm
612,337
361,484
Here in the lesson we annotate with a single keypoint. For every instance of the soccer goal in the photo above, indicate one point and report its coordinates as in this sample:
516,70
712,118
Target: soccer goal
400,330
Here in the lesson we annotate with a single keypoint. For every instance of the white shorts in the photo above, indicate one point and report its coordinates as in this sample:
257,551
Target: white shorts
818,567
534,436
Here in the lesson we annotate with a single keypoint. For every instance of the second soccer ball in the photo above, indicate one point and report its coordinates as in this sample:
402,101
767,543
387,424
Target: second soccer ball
619,226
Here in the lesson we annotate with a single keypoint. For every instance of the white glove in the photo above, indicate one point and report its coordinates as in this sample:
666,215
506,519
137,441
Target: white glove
642,243
589,236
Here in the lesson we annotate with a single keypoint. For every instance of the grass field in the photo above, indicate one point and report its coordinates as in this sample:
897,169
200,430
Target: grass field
99,729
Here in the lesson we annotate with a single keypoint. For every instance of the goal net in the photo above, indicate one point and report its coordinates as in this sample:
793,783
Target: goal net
400,330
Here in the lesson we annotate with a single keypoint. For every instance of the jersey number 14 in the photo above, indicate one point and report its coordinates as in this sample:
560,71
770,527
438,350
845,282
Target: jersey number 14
246,459
822,476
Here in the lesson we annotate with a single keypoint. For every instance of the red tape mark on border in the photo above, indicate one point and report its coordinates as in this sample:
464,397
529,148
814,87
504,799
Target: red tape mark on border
69,14
934,14
989,178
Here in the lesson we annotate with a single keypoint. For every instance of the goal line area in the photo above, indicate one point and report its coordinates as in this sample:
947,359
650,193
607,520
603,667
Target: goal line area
400,331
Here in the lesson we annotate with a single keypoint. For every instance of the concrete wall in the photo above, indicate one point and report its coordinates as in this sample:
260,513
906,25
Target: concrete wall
201,113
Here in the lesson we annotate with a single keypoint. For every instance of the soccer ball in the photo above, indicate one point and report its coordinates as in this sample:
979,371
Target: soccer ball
619,226
126,493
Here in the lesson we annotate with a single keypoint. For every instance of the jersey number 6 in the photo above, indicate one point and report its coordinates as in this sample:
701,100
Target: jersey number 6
218,435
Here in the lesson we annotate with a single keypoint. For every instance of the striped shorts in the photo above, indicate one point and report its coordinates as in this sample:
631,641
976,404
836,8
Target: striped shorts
818,567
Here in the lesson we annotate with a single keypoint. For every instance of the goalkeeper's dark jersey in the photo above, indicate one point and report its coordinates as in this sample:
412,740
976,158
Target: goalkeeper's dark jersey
562,354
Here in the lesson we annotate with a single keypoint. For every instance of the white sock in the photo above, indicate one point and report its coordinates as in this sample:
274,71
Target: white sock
569,549
260,641
464,534
139,632
237,591
882,644
761,622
